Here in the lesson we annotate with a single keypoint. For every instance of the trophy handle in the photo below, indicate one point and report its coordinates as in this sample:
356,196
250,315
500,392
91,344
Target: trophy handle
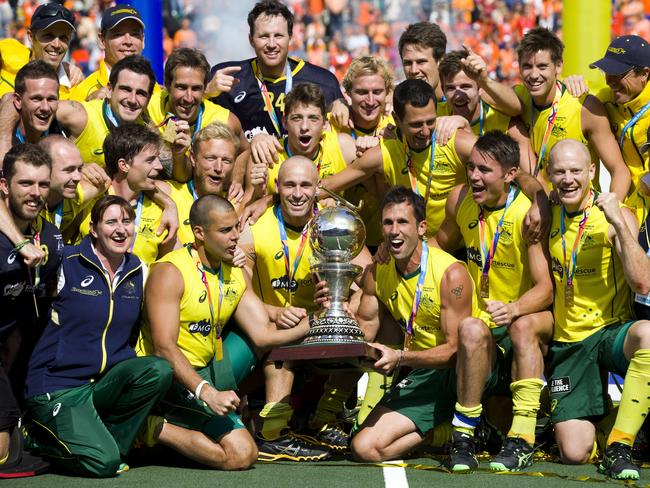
342,201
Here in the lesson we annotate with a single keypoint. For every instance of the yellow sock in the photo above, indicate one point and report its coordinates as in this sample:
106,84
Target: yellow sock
525,405
4,459
635,400
275,417
331,403
466,418
442,434
593,457
377,385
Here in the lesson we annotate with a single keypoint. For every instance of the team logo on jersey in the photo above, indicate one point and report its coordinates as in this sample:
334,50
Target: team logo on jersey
57,407
203,327
230,294
203,296
560,385
405,170
12,257
474,255
129,287
240,96
279,255
557,267
393,296
86,282
557,131
98,151
554,232
472,224
589,242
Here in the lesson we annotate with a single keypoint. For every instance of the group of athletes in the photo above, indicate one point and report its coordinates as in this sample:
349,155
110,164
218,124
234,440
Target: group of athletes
154,247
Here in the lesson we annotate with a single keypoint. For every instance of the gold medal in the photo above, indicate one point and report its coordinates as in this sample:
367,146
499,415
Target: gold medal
170,132
485,286
408,340
568,296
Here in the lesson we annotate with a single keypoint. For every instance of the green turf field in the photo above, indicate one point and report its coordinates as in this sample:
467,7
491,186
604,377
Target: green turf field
339,474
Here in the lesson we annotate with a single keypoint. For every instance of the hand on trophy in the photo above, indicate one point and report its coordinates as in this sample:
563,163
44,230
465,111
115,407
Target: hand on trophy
289,317
322,298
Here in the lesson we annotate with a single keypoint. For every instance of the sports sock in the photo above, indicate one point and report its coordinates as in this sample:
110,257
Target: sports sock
331,403
466,418
4,459
635,400
525,405
378,384
275,418
442,434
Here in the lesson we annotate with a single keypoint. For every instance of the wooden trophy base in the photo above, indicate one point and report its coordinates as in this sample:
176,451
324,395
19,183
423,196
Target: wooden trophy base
329,357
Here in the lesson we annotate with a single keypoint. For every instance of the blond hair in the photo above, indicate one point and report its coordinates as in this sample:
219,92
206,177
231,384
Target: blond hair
215,130
366,66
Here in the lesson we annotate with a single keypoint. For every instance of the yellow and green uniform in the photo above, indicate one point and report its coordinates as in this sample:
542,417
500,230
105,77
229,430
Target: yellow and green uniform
146,225
619,115
602,297
509,274
16,55
270,280
448,171
197,334
158,111
567,125
489,119
370,212
63,215
329,159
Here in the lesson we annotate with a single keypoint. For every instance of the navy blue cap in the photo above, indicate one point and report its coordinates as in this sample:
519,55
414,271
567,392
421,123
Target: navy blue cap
114,15
623,54
49,14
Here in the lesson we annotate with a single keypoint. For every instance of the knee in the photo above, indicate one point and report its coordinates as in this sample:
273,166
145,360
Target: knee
522,333
239,457
575,452
364,448
639,334
473,333
103,465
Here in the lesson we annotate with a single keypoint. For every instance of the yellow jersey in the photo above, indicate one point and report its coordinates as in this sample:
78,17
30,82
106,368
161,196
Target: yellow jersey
198,331
509,275
489,119
601,295
619,116
64,214
147,220
329,159
397,292
448,171
271,282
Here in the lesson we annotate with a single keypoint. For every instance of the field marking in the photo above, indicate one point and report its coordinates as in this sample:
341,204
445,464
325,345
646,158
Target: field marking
395,477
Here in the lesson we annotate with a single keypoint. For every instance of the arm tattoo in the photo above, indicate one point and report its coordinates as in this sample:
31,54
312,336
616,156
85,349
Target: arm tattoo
458,292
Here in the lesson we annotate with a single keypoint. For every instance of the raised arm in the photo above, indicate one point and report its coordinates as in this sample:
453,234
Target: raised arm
72,116
368,165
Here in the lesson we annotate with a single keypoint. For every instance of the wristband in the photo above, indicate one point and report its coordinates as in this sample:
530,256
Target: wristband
22,244
198,389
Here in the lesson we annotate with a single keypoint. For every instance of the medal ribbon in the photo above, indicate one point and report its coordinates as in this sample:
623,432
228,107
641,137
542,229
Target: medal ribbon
168,116
319,155
199,120
266,98
411,169
58,214
424,258
485,254
204,279
632,123
285,247
481,120
572,265
549,125
138,216
20,136
109,116
190,186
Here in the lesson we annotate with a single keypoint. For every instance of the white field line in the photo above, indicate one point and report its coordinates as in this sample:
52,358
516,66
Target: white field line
395,477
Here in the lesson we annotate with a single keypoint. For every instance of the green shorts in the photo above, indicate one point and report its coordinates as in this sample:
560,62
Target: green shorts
428,396
180,407
578,383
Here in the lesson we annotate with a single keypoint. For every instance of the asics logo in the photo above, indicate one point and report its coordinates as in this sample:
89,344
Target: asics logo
57,407
87,281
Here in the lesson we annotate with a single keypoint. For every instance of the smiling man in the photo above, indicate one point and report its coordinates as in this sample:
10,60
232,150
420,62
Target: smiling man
258,97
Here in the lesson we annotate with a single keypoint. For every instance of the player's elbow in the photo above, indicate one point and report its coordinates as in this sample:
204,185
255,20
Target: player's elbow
546,295
641,286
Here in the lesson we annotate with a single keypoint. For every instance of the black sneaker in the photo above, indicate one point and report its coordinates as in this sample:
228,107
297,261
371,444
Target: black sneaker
462,456
333,437
516,454
617,463
291,447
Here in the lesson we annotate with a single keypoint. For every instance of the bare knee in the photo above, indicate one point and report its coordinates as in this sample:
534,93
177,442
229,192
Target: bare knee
572,453
638,337
473,333
575,440
240,456
364,447
522,333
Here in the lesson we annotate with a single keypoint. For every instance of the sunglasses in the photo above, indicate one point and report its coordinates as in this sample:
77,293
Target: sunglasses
53,10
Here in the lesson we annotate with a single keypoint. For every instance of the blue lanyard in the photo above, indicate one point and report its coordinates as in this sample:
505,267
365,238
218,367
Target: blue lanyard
488,254
109,115
632,123
424,259
288,85
190,185
58,214
19,136
138,216
198,121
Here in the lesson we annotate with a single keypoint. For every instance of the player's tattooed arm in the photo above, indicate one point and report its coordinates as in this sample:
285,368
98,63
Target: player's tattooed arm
457,292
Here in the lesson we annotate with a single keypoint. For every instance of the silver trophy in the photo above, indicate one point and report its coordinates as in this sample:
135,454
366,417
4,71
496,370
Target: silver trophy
337,235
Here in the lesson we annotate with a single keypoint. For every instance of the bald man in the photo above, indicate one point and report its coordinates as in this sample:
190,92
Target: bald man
278,262
595,263
191,294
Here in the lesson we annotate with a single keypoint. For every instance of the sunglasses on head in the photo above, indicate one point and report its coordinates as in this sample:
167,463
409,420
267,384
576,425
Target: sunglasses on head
53,10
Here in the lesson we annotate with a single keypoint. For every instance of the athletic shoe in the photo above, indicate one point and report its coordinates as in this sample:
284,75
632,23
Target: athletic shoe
617,463
462,456
333,437
516,454
123,468
291,447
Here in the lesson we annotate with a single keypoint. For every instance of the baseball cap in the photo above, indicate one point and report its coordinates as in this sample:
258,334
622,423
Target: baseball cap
623,54
49,14
117,14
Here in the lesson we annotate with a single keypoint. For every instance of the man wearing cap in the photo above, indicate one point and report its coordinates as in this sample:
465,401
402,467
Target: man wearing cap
49,33
626,97
121,35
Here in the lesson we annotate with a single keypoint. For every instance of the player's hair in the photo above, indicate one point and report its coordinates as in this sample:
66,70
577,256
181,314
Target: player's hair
34,70
451,65
305,94
30,154
417,93
137,64
401,194
368,66
499,146
101,205
126,142
426,34
540,39
270,8
186,57
201,208
215,130
49,143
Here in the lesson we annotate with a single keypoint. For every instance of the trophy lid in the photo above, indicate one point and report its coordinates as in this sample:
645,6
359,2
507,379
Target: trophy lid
337,234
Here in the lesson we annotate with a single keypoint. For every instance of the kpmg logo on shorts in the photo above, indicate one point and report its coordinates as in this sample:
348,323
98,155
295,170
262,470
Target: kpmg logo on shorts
203,327
560,385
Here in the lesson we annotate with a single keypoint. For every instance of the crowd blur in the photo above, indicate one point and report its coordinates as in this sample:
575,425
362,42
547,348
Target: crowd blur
331,33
